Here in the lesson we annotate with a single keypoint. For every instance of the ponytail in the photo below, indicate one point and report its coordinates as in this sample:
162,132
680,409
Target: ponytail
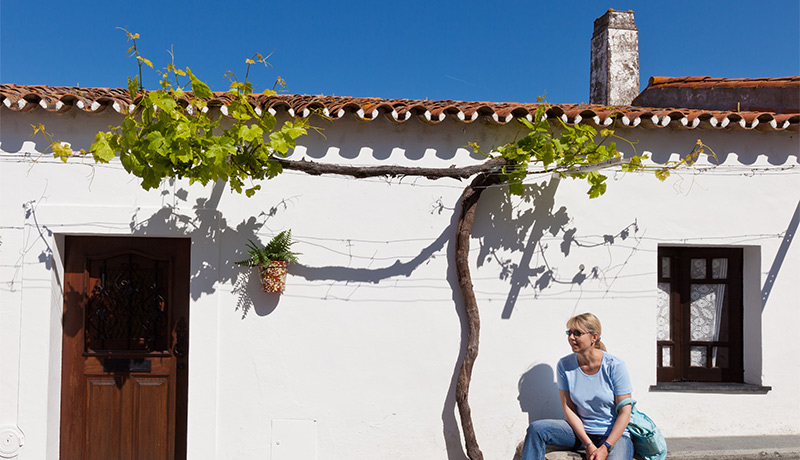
600,345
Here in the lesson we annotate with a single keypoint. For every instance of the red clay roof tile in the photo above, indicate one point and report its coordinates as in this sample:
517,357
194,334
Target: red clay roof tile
775,95
704,82
61,99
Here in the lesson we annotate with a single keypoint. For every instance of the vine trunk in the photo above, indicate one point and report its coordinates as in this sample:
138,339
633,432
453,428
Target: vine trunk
488,175
469,203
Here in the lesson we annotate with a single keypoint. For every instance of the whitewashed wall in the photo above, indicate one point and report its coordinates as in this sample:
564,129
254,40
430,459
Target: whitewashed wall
358,357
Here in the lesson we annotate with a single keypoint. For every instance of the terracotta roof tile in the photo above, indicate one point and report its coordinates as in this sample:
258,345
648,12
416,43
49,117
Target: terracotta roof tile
94,100
707,82
774,95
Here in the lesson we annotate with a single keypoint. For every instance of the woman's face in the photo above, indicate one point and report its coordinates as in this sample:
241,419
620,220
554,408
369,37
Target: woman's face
579,339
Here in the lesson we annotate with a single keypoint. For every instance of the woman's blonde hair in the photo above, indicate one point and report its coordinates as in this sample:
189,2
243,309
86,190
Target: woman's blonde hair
589,323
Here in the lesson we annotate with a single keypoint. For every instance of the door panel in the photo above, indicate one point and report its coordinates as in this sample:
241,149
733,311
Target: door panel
125,350
104,427
151,399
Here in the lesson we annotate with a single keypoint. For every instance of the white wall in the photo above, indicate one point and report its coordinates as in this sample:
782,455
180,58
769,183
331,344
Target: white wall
367,338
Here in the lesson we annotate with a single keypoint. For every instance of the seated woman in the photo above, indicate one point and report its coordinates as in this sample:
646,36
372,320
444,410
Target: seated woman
590,383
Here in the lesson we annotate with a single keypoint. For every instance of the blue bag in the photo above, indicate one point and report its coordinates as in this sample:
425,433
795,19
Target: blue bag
648,442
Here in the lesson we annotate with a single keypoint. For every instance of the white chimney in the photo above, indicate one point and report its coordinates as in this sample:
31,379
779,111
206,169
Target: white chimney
615,59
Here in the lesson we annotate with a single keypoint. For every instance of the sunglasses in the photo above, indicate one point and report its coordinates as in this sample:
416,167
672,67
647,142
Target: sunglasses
576,333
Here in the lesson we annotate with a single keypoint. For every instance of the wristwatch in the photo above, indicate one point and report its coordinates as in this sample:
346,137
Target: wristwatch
608,446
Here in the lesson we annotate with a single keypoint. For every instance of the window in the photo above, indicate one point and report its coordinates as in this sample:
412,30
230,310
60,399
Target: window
699,314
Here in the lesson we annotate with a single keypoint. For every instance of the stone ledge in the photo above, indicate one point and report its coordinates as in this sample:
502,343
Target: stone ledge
703,387
553,453
563,455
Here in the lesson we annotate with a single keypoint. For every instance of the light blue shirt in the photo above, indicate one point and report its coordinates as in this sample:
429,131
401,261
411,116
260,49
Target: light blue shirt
593,395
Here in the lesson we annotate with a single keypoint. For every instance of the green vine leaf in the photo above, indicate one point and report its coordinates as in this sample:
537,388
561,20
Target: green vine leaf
560,148
145,61
199,88
101,149
62,151
164,137
133,86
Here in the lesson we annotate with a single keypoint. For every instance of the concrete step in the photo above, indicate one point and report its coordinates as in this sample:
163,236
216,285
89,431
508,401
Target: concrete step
734,448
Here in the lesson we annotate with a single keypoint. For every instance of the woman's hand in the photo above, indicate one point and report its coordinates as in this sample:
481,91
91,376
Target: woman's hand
596,453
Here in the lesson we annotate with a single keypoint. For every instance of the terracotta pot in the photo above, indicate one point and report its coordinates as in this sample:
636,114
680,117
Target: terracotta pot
273,276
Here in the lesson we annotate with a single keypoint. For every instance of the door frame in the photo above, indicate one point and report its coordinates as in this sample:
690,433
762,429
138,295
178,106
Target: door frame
180,255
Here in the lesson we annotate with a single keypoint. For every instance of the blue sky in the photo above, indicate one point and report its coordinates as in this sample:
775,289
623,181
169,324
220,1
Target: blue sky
466,50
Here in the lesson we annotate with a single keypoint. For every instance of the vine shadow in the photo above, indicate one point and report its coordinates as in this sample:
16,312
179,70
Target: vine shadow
503,225
208,225
500,225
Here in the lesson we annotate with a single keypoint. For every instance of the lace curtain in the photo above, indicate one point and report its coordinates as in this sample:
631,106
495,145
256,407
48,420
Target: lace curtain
706,309
663,331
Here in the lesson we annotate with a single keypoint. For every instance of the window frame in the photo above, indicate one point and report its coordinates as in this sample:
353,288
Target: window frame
680,282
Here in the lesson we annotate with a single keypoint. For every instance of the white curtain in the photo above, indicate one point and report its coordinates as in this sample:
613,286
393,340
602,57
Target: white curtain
706,311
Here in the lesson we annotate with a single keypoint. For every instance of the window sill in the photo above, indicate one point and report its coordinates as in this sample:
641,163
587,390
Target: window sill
708,387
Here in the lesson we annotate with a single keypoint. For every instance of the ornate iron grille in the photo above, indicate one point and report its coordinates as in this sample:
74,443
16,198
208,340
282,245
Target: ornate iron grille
127,309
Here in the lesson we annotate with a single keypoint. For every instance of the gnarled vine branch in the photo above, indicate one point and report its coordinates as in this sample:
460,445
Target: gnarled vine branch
360,172
469,203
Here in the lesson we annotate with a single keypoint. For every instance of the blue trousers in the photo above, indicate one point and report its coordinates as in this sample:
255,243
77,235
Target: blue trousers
543,433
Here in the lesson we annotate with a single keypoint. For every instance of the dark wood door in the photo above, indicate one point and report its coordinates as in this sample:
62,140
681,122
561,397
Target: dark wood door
125,348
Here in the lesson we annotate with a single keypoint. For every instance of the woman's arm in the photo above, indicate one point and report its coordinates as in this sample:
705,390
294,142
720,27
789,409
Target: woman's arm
575,421
623,417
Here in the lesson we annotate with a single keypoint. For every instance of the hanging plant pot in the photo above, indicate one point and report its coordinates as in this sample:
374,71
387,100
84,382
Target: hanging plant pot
272,260
273,276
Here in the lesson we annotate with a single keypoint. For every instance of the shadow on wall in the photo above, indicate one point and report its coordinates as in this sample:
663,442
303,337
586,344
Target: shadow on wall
209,228
504,226
382,140
538,394
538,397
780,256
500,224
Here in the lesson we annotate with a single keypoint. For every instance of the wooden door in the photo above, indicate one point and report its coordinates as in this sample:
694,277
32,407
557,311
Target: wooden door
125,348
